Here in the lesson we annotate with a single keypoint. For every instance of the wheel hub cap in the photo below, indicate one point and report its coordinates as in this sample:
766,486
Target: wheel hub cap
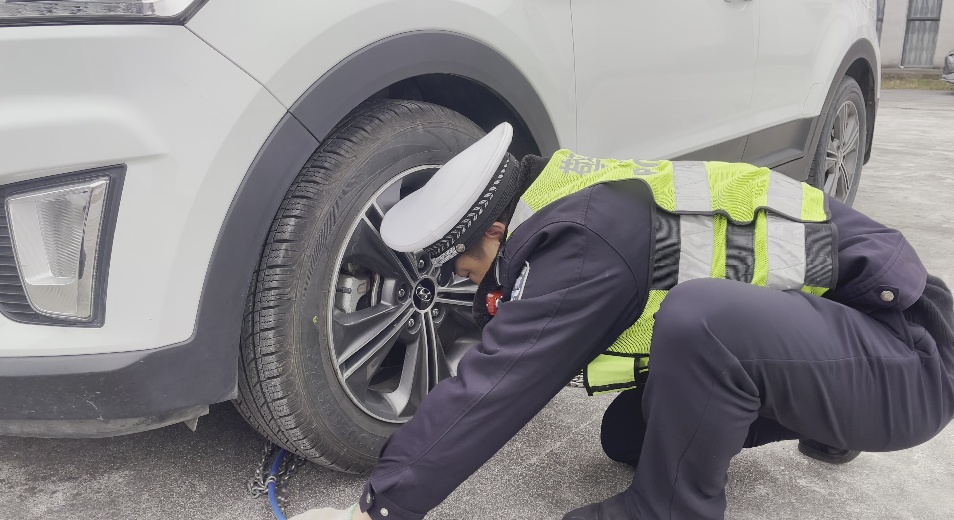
424,294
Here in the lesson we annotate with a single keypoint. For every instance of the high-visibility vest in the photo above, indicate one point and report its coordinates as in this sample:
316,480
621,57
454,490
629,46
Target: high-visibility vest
713,220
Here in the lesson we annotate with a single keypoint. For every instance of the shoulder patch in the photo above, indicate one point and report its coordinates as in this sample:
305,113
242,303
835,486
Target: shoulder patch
517,292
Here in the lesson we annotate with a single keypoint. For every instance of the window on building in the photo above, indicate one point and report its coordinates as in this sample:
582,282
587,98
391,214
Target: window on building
920,36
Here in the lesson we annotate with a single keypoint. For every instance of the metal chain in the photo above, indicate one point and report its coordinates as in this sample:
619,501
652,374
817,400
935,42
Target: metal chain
577,381
289,467
258,485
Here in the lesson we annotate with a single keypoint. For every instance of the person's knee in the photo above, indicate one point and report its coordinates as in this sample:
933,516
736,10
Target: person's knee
684,318
697,331
623,428
621,445
692,303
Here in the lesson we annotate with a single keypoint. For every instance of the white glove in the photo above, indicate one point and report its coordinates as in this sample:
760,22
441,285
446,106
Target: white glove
327,513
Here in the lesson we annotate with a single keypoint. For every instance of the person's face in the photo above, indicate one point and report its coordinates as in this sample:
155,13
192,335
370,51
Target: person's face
476,261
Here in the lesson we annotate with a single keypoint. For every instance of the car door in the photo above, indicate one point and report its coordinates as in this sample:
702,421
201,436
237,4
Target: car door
800,43
662,78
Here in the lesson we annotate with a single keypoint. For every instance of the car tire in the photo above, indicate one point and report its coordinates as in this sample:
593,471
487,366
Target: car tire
303,326
839,157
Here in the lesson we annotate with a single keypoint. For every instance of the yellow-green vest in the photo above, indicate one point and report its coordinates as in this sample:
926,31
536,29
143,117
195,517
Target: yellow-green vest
713,219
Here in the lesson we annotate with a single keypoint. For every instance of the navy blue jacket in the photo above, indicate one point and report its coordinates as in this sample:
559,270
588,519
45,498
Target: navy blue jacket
587,282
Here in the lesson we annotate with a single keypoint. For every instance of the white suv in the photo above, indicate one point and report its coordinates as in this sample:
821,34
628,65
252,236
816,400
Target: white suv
191,190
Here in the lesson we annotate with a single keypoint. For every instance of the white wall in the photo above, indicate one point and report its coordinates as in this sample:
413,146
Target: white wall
892,32
945,37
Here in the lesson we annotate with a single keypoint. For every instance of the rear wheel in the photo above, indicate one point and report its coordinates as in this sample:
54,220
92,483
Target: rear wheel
344,337
836,169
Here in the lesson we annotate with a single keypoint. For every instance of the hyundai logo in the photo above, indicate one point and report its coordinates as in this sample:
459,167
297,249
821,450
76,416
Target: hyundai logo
423,293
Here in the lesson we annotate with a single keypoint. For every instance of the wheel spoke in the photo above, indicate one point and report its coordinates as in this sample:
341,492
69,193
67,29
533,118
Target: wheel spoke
367,248
846,179
462,293
363,337
831,182
443,368
376,210
419,373
851,141
841,122
830,163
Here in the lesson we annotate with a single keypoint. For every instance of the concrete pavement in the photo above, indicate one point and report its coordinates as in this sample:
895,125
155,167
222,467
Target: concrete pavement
555,463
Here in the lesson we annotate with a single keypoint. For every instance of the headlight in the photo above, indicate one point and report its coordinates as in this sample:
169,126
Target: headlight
60,233
61,12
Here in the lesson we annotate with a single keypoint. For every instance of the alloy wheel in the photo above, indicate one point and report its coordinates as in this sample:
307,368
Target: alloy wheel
841,157
395,330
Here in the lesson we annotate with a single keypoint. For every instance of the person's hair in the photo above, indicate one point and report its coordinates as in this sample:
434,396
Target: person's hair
530,168
475,250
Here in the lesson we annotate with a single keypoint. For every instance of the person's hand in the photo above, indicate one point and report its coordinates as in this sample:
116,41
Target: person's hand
327,513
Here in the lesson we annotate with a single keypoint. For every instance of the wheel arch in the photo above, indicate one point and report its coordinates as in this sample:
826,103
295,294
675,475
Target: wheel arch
860,63
442,67
445,68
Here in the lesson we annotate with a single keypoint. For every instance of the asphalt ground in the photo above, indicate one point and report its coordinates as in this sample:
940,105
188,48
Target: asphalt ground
555,463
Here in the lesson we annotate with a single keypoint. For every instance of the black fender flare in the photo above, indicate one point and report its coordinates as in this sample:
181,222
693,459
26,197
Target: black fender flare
861,49
411,54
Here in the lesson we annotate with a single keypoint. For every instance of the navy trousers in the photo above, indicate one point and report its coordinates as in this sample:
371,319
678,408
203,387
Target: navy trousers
768,366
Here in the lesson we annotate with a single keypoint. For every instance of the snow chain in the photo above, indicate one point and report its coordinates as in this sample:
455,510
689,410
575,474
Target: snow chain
258,485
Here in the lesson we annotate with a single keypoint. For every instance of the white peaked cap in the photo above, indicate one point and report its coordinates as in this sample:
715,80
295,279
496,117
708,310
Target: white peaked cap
463,187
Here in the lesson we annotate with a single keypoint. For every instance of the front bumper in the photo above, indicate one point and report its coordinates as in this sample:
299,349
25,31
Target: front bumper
101,395
186,124
948,77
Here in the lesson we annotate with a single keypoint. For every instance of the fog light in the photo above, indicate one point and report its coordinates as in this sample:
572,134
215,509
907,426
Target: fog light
56,234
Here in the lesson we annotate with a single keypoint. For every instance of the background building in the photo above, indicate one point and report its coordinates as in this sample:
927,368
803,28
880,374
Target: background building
915,33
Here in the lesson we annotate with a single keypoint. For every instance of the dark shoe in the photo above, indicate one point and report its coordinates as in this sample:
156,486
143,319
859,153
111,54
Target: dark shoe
612,508
826,453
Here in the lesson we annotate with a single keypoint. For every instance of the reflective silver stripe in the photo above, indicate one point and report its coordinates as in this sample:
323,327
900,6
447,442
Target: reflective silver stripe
785,195
691,183
448,254
695,249
520,214
786,253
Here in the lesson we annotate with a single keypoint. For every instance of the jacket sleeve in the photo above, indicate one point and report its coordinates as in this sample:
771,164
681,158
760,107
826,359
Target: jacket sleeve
877,267
578,293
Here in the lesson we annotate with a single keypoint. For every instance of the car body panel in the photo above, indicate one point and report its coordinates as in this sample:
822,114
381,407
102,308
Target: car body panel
535,35
801,47
652,89
187,124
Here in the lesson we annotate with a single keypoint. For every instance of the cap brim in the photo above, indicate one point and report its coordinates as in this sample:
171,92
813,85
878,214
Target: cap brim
426,216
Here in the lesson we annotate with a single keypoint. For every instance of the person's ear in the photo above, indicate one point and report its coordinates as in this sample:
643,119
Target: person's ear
496,231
